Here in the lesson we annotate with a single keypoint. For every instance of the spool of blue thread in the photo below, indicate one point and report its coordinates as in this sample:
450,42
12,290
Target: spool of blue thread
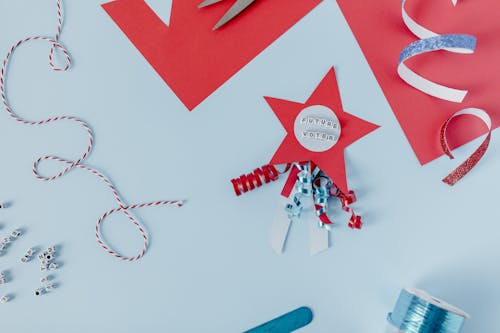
418,312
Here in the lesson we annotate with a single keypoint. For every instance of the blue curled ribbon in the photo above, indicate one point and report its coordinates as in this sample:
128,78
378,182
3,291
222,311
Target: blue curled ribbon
322,186
303,188
430,42
315,184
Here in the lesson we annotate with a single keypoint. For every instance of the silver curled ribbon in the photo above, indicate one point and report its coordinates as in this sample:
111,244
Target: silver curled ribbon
310,186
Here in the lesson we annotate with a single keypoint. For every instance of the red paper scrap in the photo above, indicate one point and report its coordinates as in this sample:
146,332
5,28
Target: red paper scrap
190,57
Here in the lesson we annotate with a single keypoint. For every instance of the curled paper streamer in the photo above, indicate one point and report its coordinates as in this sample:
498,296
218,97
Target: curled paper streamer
429,42
260,176
322,186
470,162
317,185
68,164
307,186
346,200
303,189
457,43
463,43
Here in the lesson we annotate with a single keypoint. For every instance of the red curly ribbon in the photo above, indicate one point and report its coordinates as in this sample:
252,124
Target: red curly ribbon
346,200
470,162
323,217
260,176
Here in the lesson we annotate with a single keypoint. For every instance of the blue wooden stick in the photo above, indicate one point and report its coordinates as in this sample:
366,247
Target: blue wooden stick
286,323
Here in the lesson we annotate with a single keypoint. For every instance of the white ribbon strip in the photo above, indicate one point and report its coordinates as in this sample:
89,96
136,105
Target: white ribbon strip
319,237
432,41
418,30
280,227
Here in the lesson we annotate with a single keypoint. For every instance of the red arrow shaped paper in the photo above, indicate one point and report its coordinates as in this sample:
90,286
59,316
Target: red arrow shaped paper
190,57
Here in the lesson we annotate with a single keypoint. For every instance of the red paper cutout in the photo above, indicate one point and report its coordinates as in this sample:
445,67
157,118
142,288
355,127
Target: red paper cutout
379,29
191,58
331,161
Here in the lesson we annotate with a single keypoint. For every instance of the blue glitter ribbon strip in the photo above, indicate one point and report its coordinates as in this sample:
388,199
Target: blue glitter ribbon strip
430,42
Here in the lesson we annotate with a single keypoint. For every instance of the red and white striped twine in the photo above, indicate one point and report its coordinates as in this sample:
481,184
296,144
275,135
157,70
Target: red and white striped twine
125,209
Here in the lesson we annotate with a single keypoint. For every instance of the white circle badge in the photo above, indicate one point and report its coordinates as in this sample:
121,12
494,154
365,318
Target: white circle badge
317,128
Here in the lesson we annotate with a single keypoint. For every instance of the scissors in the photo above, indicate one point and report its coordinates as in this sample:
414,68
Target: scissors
234,11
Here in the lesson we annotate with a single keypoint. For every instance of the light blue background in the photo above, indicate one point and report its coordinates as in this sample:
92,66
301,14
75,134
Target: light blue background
210,267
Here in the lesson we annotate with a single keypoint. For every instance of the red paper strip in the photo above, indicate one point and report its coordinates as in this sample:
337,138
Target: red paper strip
290,182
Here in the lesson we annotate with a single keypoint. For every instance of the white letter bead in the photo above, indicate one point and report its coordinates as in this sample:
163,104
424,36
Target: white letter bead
39,292
53,266
4,299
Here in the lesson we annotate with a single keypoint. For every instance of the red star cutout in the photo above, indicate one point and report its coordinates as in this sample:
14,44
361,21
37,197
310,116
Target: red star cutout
331,161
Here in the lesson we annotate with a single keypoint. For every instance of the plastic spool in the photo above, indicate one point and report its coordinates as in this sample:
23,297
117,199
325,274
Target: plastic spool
418,312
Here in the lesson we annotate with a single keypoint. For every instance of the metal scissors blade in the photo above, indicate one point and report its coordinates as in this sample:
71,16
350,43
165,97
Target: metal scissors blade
234,11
